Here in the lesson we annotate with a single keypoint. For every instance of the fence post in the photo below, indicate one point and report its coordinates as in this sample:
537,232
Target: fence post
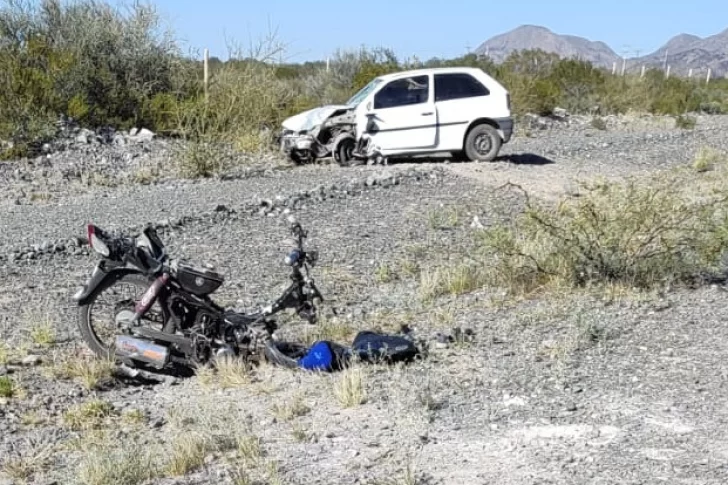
642,74
614,68
624,65
667,73
707,79
206,72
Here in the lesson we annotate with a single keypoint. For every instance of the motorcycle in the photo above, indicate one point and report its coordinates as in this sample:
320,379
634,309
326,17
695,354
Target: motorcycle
175,320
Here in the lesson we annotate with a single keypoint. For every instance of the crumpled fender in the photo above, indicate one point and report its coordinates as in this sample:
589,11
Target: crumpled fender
311,118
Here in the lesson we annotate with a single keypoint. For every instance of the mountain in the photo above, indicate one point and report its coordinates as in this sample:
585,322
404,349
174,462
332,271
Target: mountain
532,36
685,52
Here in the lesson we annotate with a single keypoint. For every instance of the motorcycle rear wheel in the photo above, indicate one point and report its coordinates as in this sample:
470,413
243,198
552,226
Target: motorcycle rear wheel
87,326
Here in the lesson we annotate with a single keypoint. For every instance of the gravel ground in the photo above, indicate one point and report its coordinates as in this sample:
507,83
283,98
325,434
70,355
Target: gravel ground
571,389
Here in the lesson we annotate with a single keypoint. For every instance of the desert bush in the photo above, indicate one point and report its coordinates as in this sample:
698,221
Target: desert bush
86,59
104,66
642,235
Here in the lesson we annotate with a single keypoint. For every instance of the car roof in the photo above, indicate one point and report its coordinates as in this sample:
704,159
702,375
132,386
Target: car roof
430,70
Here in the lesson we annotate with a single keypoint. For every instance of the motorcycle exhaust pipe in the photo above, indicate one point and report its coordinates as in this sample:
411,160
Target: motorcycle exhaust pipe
142,351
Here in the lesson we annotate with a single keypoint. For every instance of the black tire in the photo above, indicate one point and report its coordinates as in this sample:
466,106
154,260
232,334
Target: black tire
284,354
85,325
343,148
482,143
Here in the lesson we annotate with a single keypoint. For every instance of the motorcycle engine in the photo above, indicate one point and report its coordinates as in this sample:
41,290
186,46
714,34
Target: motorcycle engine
199,325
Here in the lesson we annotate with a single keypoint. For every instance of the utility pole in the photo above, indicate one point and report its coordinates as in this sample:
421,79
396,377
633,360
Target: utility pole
206,75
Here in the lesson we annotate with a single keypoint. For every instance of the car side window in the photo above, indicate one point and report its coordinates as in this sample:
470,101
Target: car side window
403,92
458,86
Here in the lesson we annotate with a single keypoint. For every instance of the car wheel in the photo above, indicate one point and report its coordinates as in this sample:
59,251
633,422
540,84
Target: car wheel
343,150
482,143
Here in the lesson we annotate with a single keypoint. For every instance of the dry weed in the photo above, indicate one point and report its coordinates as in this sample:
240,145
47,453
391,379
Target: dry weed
349,388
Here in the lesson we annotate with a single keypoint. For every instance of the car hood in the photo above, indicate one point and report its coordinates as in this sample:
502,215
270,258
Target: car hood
312,118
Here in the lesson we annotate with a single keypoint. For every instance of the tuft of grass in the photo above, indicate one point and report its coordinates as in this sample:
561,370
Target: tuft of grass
349,387
90,371
90,415
685,122
443,218
288,410
249,449
188,454
22,463
120,466
453,280
706,159
43,334
198,159
4,353
8,387
385,273
232,372
332,329
134,417
189,450
598,124
32,418
300,433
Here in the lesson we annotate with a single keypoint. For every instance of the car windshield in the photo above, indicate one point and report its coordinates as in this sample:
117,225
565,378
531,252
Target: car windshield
363,92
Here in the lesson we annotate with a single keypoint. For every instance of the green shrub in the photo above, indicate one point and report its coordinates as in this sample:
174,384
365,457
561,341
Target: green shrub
641,235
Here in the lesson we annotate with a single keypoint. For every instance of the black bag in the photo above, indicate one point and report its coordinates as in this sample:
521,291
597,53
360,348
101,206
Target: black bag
371,346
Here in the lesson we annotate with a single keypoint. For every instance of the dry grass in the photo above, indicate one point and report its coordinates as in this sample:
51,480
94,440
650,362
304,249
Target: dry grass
27,458
43,333
232,372
332,329
349,388
452,280
86,369
707,158
188,454
90,415
290,409
117,465
249,448
134,417
4,353
9,387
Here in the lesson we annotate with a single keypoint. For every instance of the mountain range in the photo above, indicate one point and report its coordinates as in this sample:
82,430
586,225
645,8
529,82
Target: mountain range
682,53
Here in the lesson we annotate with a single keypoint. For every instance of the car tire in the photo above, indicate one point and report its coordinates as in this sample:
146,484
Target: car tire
343,147
482,143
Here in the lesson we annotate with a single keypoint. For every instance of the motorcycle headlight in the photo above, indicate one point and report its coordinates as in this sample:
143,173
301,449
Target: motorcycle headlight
293,257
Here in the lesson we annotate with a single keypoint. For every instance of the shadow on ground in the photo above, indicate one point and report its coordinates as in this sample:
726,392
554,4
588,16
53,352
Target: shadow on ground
525,159
514,158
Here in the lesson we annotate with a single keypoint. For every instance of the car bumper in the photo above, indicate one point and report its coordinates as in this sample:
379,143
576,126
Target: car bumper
290,142
506,126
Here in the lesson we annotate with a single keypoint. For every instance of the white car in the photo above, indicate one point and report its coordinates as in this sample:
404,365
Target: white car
460,110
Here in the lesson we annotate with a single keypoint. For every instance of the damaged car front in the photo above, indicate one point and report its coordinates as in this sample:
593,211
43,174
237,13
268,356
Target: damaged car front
325,131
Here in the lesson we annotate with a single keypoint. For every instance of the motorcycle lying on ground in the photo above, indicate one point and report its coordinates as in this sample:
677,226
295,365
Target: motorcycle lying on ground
172,318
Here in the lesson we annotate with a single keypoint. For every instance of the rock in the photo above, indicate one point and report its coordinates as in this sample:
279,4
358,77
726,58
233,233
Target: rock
31,360
141,136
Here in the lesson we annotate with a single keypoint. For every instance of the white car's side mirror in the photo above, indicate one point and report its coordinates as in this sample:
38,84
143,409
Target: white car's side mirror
369,106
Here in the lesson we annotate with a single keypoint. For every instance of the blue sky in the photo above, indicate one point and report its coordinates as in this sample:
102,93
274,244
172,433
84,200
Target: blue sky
313,29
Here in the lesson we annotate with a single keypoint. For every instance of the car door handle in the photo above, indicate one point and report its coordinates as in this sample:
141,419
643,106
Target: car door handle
427,113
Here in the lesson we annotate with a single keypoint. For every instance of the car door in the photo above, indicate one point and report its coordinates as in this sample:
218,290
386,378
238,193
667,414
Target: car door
403,115
459,99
